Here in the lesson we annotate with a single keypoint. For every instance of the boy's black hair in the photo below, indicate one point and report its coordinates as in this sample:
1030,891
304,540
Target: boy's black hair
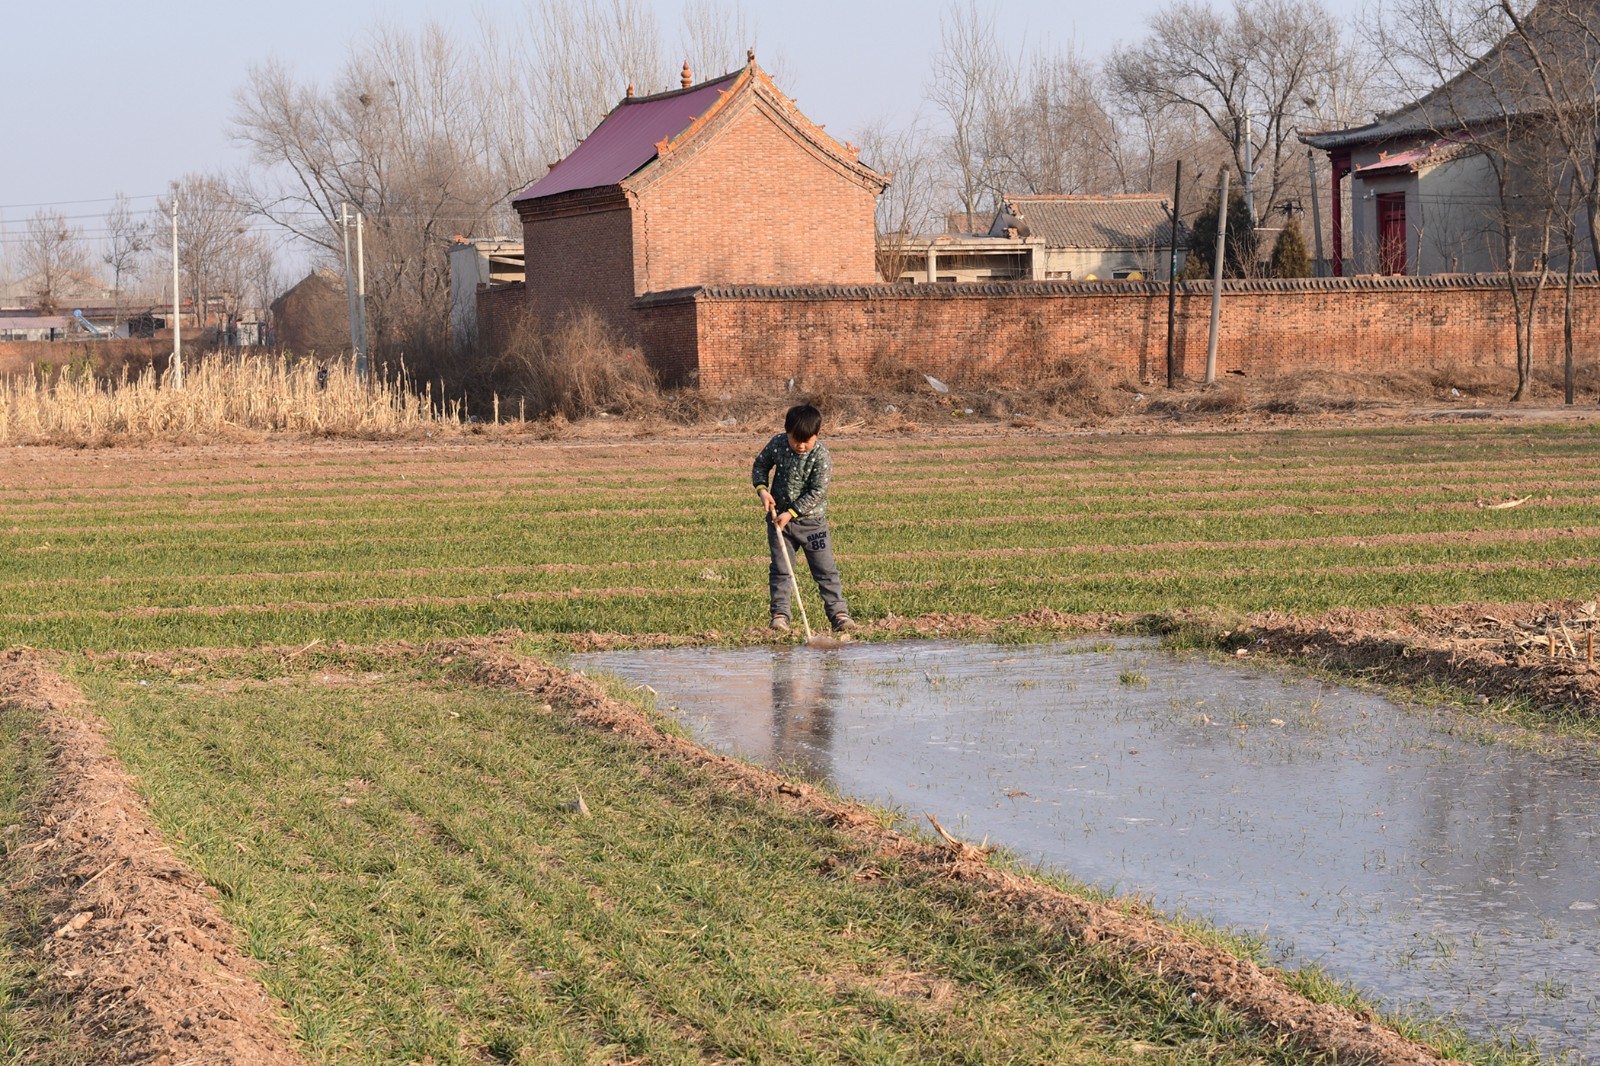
803,422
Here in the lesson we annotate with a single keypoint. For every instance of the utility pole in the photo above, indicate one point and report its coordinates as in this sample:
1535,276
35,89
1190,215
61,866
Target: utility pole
1316,211
1216,280
1172,274
361,296
177,322
1249,174
349,283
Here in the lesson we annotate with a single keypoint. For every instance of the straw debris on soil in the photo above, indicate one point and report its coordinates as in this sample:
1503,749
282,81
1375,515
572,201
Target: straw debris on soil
132,946
1540,652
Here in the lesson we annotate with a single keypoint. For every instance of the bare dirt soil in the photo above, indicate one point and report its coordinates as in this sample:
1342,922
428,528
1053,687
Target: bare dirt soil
1539,652
133,948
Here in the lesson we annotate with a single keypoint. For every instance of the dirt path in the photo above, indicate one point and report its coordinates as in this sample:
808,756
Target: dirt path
134,949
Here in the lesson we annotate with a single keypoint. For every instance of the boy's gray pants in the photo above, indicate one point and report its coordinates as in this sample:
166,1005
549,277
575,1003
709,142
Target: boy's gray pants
810,539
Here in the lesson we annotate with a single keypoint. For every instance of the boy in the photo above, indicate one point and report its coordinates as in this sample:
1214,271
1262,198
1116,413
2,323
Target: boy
791,478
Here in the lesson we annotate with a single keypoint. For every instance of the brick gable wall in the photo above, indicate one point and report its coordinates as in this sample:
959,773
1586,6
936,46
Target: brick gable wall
752,206
500,309
1005,332
579,253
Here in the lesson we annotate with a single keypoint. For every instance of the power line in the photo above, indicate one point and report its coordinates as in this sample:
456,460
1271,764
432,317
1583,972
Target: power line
64,203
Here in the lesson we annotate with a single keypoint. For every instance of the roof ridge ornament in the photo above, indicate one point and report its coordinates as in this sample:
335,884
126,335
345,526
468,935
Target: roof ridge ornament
686,77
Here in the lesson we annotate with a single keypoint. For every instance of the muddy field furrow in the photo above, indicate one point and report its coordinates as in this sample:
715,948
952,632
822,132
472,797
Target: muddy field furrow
134,947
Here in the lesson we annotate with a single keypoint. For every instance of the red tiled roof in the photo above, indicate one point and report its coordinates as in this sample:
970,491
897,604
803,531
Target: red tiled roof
1430,154
626,139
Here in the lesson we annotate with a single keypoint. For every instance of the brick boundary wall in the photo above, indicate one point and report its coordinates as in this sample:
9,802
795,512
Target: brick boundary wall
499,309
1003,332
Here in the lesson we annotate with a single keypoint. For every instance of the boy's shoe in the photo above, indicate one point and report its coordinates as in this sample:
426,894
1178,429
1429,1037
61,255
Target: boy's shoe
780,623
844,624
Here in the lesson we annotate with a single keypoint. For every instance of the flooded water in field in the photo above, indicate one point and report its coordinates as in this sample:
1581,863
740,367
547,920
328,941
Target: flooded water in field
1435,870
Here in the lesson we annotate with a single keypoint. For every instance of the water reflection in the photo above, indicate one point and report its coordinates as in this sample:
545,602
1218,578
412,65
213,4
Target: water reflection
803,702
1429,867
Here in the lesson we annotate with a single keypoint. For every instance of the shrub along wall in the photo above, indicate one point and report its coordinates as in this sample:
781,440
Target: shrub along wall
1005,332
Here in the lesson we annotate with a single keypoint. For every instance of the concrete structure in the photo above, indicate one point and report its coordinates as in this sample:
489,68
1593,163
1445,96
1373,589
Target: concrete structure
720,183
476,263
32,327
1089,238
1424,194
960,258
1044,238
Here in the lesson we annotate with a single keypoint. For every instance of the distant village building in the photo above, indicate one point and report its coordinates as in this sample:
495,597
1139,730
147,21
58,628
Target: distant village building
16,326
474,264
1434,185
1042,238
313,317
720,183
1092,237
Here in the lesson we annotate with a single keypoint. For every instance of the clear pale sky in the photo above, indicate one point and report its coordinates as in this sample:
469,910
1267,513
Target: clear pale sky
109,97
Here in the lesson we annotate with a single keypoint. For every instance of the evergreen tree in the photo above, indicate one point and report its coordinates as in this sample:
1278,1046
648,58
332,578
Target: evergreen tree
1238,257
1289,256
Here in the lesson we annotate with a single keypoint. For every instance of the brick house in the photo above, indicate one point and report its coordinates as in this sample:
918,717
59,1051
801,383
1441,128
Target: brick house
720,183
313,317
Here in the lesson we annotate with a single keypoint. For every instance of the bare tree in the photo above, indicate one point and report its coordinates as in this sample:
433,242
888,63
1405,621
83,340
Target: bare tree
909,207
215,241
1252,76
972,76
126,242
1056,136
53,258
428,139
715,36
399,140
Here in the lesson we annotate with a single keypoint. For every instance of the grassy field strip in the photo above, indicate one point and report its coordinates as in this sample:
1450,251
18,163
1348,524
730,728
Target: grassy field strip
1582,570
274,561
397,853
613,498
736,611
1445,458
1373,551
1311,493
864,508
1099,538
709,489
864,543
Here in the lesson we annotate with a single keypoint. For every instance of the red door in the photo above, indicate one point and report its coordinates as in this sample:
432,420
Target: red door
1391,233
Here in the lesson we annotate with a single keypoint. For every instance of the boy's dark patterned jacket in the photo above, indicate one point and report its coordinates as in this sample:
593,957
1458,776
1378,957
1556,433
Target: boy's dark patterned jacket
800,485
